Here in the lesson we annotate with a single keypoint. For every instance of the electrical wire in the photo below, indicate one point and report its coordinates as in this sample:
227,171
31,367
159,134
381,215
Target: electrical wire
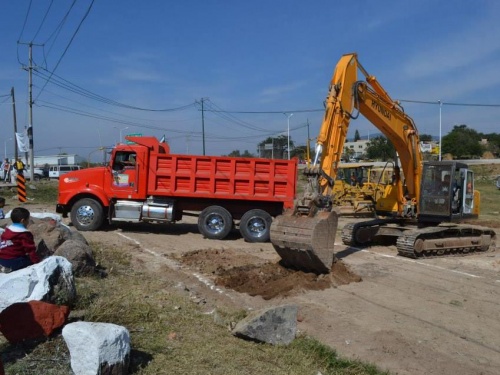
106,118
22,31
58,28
438,102
43,20
67,85
177,121
67,46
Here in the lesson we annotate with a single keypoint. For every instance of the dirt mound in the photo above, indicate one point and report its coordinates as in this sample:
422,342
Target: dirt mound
249,274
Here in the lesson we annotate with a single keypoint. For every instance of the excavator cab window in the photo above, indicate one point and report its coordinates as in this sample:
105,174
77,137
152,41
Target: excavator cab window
438,192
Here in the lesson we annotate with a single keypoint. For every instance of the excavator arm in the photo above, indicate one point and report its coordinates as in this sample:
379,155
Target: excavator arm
295,237
368,97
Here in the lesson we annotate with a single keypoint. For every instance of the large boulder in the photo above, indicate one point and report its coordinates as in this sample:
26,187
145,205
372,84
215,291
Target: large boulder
51,280
273,325
97,348
31,320
48,230
80,256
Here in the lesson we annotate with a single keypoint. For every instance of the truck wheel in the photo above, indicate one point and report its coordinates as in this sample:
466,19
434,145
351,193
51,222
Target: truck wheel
87,215
255,226
215,222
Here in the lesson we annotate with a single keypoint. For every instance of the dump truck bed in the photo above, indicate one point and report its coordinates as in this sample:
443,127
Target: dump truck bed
223,178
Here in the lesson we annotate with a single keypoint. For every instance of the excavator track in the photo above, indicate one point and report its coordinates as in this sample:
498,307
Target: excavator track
362,233
446,240
430,242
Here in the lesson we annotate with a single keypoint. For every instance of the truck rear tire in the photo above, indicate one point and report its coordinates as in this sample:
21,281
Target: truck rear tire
255,226
215,222
87,215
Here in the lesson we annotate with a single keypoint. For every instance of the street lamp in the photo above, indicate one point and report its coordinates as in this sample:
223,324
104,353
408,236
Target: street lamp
288,115
5,147
120,129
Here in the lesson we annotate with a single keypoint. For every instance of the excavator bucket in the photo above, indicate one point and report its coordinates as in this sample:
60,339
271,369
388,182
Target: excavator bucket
306,243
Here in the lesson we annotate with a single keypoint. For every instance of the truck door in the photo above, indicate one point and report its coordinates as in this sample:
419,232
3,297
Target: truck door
127,168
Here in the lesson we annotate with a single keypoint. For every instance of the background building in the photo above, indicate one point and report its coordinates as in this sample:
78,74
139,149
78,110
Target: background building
66,159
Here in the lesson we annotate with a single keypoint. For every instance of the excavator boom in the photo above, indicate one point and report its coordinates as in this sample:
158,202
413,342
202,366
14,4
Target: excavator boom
305,237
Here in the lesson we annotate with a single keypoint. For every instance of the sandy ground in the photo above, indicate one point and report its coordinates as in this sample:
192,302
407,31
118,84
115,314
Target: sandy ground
431,316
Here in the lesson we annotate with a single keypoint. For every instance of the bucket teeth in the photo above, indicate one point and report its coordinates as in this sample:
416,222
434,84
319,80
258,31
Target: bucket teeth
306,243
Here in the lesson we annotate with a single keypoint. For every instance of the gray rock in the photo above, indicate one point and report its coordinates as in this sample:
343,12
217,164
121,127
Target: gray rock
51,280
274,325
48,230
97,348
79,254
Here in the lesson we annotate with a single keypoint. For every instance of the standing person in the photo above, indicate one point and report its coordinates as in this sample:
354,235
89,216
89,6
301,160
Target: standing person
5,170
20,167
17,245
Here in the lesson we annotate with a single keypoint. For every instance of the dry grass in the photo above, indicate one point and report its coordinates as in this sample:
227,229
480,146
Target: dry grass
170,334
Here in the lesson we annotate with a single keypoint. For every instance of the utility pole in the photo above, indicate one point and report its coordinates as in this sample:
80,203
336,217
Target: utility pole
30,114
30,125
30,122
15,122
203,124
308,148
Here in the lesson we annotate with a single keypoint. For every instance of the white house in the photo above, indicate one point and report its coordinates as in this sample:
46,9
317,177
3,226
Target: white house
358,147
63,159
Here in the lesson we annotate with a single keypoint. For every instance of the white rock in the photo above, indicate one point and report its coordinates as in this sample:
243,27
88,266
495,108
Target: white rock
33,283
95,345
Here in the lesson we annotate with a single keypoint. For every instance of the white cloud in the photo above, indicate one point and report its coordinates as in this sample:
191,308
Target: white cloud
276,92
456,49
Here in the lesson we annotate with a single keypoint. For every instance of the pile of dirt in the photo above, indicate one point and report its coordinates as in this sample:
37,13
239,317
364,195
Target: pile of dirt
249,274
211,261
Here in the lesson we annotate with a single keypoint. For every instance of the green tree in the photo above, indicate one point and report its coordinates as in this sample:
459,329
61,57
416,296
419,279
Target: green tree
462,142
357,137
493,144
237,154
299,152
425,137
347,153
278,148
380,148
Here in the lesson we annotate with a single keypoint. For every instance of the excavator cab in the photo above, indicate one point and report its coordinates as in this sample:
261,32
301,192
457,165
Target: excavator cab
447,193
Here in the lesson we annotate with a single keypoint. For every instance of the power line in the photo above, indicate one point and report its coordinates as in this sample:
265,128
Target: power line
106,118
111,112
67,85
67,46
56,31
43,20
272,112
448,103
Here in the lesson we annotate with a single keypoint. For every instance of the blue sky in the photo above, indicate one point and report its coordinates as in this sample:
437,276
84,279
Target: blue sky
270,56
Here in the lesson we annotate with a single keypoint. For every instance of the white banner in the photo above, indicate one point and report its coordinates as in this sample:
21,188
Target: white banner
22,141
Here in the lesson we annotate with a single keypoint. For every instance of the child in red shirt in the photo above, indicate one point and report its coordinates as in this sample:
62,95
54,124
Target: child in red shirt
17,246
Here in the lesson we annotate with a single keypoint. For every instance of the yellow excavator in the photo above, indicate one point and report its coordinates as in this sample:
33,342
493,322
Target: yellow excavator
420,210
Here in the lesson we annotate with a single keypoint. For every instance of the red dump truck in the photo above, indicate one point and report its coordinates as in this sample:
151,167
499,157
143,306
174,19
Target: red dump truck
144,182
